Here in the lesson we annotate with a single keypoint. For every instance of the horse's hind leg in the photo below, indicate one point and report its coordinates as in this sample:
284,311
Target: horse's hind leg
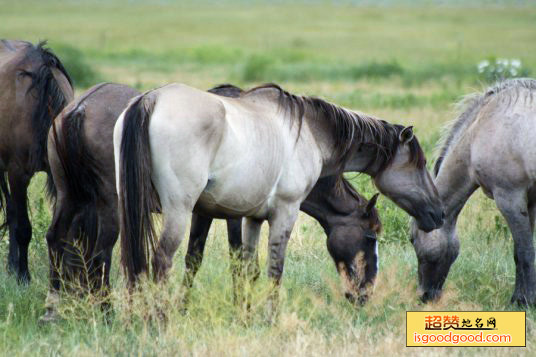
57,231
107,237
20,229
513,206
175,221
196,247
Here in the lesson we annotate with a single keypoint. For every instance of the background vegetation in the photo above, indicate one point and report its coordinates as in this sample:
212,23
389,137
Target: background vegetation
407,62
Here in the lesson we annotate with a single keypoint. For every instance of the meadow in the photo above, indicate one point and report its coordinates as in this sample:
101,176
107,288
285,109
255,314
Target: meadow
406,62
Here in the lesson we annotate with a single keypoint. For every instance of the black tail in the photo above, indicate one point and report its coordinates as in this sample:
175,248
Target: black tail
137,197
50,101
80,174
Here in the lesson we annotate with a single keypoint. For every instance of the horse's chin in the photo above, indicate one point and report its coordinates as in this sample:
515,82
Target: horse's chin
357,300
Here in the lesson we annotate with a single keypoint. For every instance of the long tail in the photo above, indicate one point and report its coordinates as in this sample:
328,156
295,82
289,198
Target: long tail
80,173
137,196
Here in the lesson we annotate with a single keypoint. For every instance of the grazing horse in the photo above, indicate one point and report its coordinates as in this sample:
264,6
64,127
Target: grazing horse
490,145
81,162
35,88
84,225
348,219
256,156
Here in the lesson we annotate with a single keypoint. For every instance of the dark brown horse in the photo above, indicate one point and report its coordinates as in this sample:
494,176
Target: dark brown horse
35,87
84,227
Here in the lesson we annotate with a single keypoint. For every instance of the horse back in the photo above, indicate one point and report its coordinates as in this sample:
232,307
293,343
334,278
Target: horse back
81,140
502,140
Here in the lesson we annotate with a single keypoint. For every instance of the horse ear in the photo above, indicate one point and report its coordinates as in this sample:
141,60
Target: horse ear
372,203
406,135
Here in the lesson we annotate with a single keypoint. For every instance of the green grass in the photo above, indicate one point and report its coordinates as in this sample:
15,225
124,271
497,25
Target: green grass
403,62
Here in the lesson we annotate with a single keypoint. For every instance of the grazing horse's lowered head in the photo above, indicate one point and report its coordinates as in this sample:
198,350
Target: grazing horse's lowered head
354,248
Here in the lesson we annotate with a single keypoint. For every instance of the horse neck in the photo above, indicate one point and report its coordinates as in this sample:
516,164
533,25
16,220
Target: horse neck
365,158
322,130
454,182
327,205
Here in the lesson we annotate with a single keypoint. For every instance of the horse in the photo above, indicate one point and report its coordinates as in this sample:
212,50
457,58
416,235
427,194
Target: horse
35,88
256,156
84,226
489,146
350,222
81,155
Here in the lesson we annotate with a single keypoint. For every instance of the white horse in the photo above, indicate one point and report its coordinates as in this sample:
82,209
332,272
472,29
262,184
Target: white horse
490,145
255,156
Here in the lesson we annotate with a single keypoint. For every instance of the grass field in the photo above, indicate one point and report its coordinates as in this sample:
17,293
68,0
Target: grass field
403,62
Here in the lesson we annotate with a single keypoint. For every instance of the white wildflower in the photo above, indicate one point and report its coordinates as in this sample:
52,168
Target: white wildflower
515,63
482,66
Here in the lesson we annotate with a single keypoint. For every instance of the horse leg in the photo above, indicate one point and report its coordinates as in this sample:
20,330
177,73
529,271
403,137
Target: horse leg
532,215
194,256
175,221
13,255
59,228
513,206
20,229
107,237
251,229
281,224
234,236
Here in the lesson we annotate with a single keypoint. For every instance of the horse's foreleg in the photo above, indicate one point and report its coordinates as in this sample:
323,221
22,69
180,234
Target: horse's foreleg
196,247
513,206
20,229
281,224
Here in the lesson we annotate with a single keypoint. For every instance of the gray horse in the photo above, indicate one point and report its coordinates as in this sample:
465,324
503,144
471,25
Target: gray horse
258,156
490,145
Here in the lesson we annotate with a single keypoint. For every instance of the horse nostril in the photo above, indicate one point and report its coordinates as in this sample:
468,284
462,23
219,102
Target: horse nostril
442,214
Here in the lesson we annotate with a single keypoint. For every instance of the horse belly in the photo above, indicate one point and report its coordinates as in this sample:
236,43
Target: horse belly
235,196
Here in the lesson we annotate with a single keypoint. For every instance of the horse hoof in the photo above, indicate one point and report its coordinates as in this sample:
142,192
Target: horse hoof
24,279
522,301
49,317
